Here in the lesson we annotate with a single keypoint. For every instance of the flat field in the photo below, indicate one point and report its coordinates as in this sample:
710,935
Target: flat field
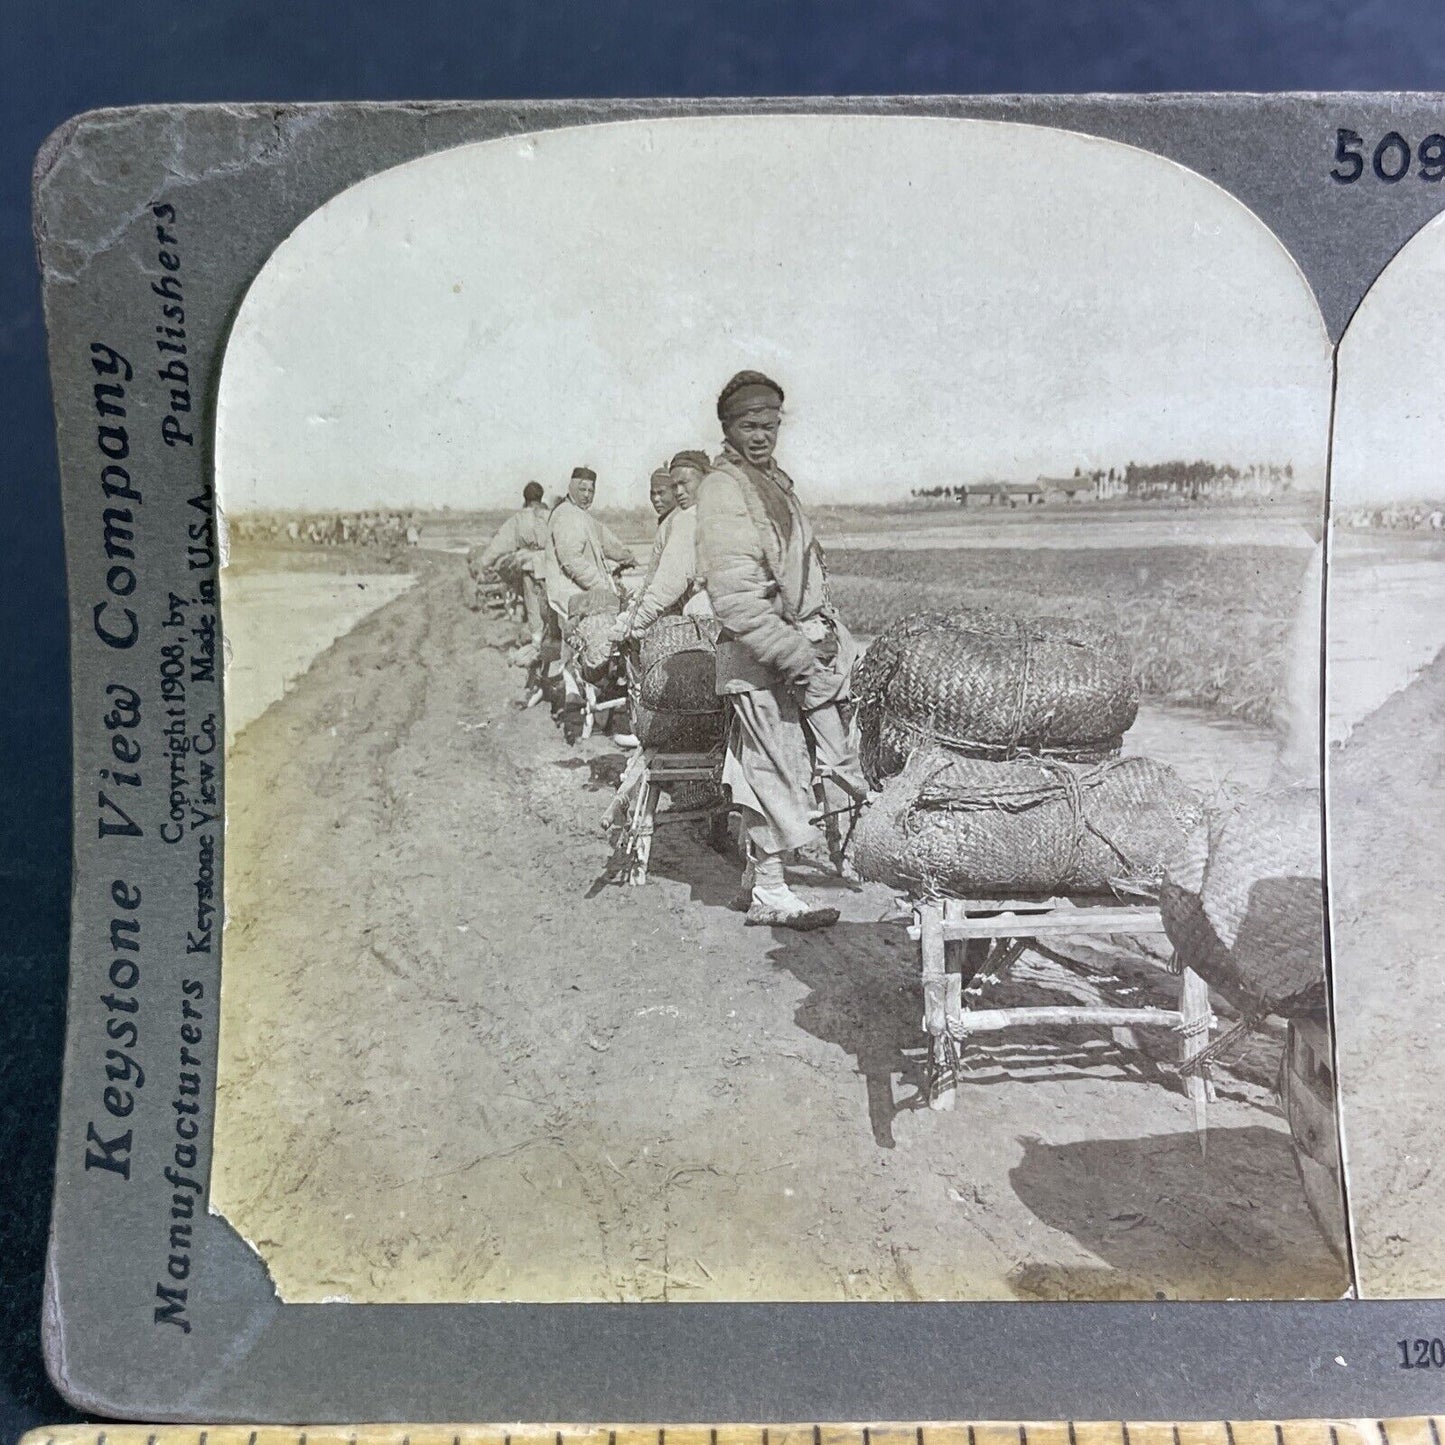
1206,625
1202,595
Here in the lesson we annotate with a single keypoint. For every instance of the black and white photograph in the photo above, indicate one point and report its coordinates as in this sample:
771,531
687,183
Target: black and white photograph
1385,707
772,722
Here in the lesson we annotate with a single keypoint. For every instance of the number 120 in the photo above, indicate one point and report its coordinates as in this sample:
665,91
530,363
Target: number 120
1422,1354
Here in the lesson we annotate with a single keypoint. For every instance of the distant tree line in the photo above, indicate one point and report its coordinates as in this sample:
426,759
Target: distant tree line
1201,478
1189,480
378,527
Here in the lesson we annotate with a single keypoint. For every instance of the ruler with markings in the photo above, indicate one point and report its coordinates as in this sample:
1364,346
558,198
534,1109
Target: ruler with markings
1414,1430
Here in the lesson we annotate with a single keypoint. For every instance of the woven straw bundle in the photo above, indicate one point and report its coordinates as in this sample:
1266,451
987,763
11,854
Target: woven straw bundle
590,616
677,670
591,639
1244,906
955,826
992,685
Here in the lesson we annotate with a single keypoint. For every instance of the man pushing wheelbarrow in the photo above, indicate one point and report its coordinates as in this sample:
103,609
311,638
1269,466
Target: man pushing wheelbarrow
784,656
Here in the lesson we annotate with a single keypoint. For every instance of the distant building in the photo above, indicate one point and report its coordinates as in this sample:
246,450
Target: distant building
984,494
1068,489
1002,494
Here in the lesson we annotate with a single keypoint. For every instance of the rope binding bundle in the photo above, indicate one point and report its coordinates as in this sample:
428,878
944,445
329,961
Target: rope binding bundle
950,826
995,686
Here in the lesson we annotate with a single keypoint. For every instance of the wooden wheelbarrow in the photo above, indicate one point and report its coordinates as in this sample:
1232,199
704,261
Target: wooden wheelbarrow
944,927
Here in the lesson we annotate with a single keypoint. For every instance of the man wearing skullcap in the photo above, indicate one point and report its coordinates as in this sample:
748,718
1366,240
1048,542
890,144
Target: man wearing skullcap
581,555
581,551
672,584
688,469
662,493
784,656
518,555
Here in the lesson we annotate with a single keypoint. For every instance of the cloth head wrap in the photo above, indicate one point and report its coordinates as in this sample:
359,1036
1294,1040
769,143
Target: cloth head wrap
749,391
750,398
694,460
583,474
662,475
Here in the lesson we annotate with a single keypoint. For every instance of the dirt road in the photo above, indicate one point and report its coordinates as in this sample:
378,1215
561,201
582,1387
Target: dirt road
1387,814
456,1066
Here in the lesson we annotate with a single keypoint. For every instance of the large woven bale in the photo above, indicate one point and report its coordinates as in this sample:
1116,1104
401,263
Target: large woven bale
1243,904
677,667
966,827
992,685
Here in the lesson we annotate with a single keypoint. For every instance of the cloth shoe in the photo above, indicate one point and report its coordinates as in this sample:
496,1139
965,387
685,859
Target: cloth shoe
782,908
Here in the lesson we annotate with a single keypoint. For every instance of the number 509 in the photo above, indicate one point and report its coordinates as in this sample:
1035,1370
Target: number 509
1391,158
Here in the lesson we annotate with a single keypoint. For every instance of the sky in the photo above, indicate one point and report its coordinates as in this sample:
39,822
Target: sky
942,300
1390,408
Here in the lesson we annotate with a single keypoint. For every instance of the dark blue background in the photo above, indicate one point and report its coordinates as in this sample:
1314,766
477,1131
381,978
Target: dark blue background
60,58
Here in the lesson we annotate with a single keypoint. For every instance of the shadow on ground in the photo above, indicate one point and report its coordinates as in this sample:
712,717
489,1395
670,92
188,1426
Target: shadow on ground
1131,1202
865,997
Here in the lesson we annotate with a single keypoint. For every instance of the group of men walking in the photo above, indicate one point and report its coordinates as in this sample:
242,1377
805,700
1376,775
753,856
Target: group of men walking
733,541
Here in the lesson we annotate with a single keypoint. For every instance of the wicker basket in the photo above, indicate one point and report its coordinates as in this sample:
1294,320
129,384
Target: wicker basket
677,669
677,732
